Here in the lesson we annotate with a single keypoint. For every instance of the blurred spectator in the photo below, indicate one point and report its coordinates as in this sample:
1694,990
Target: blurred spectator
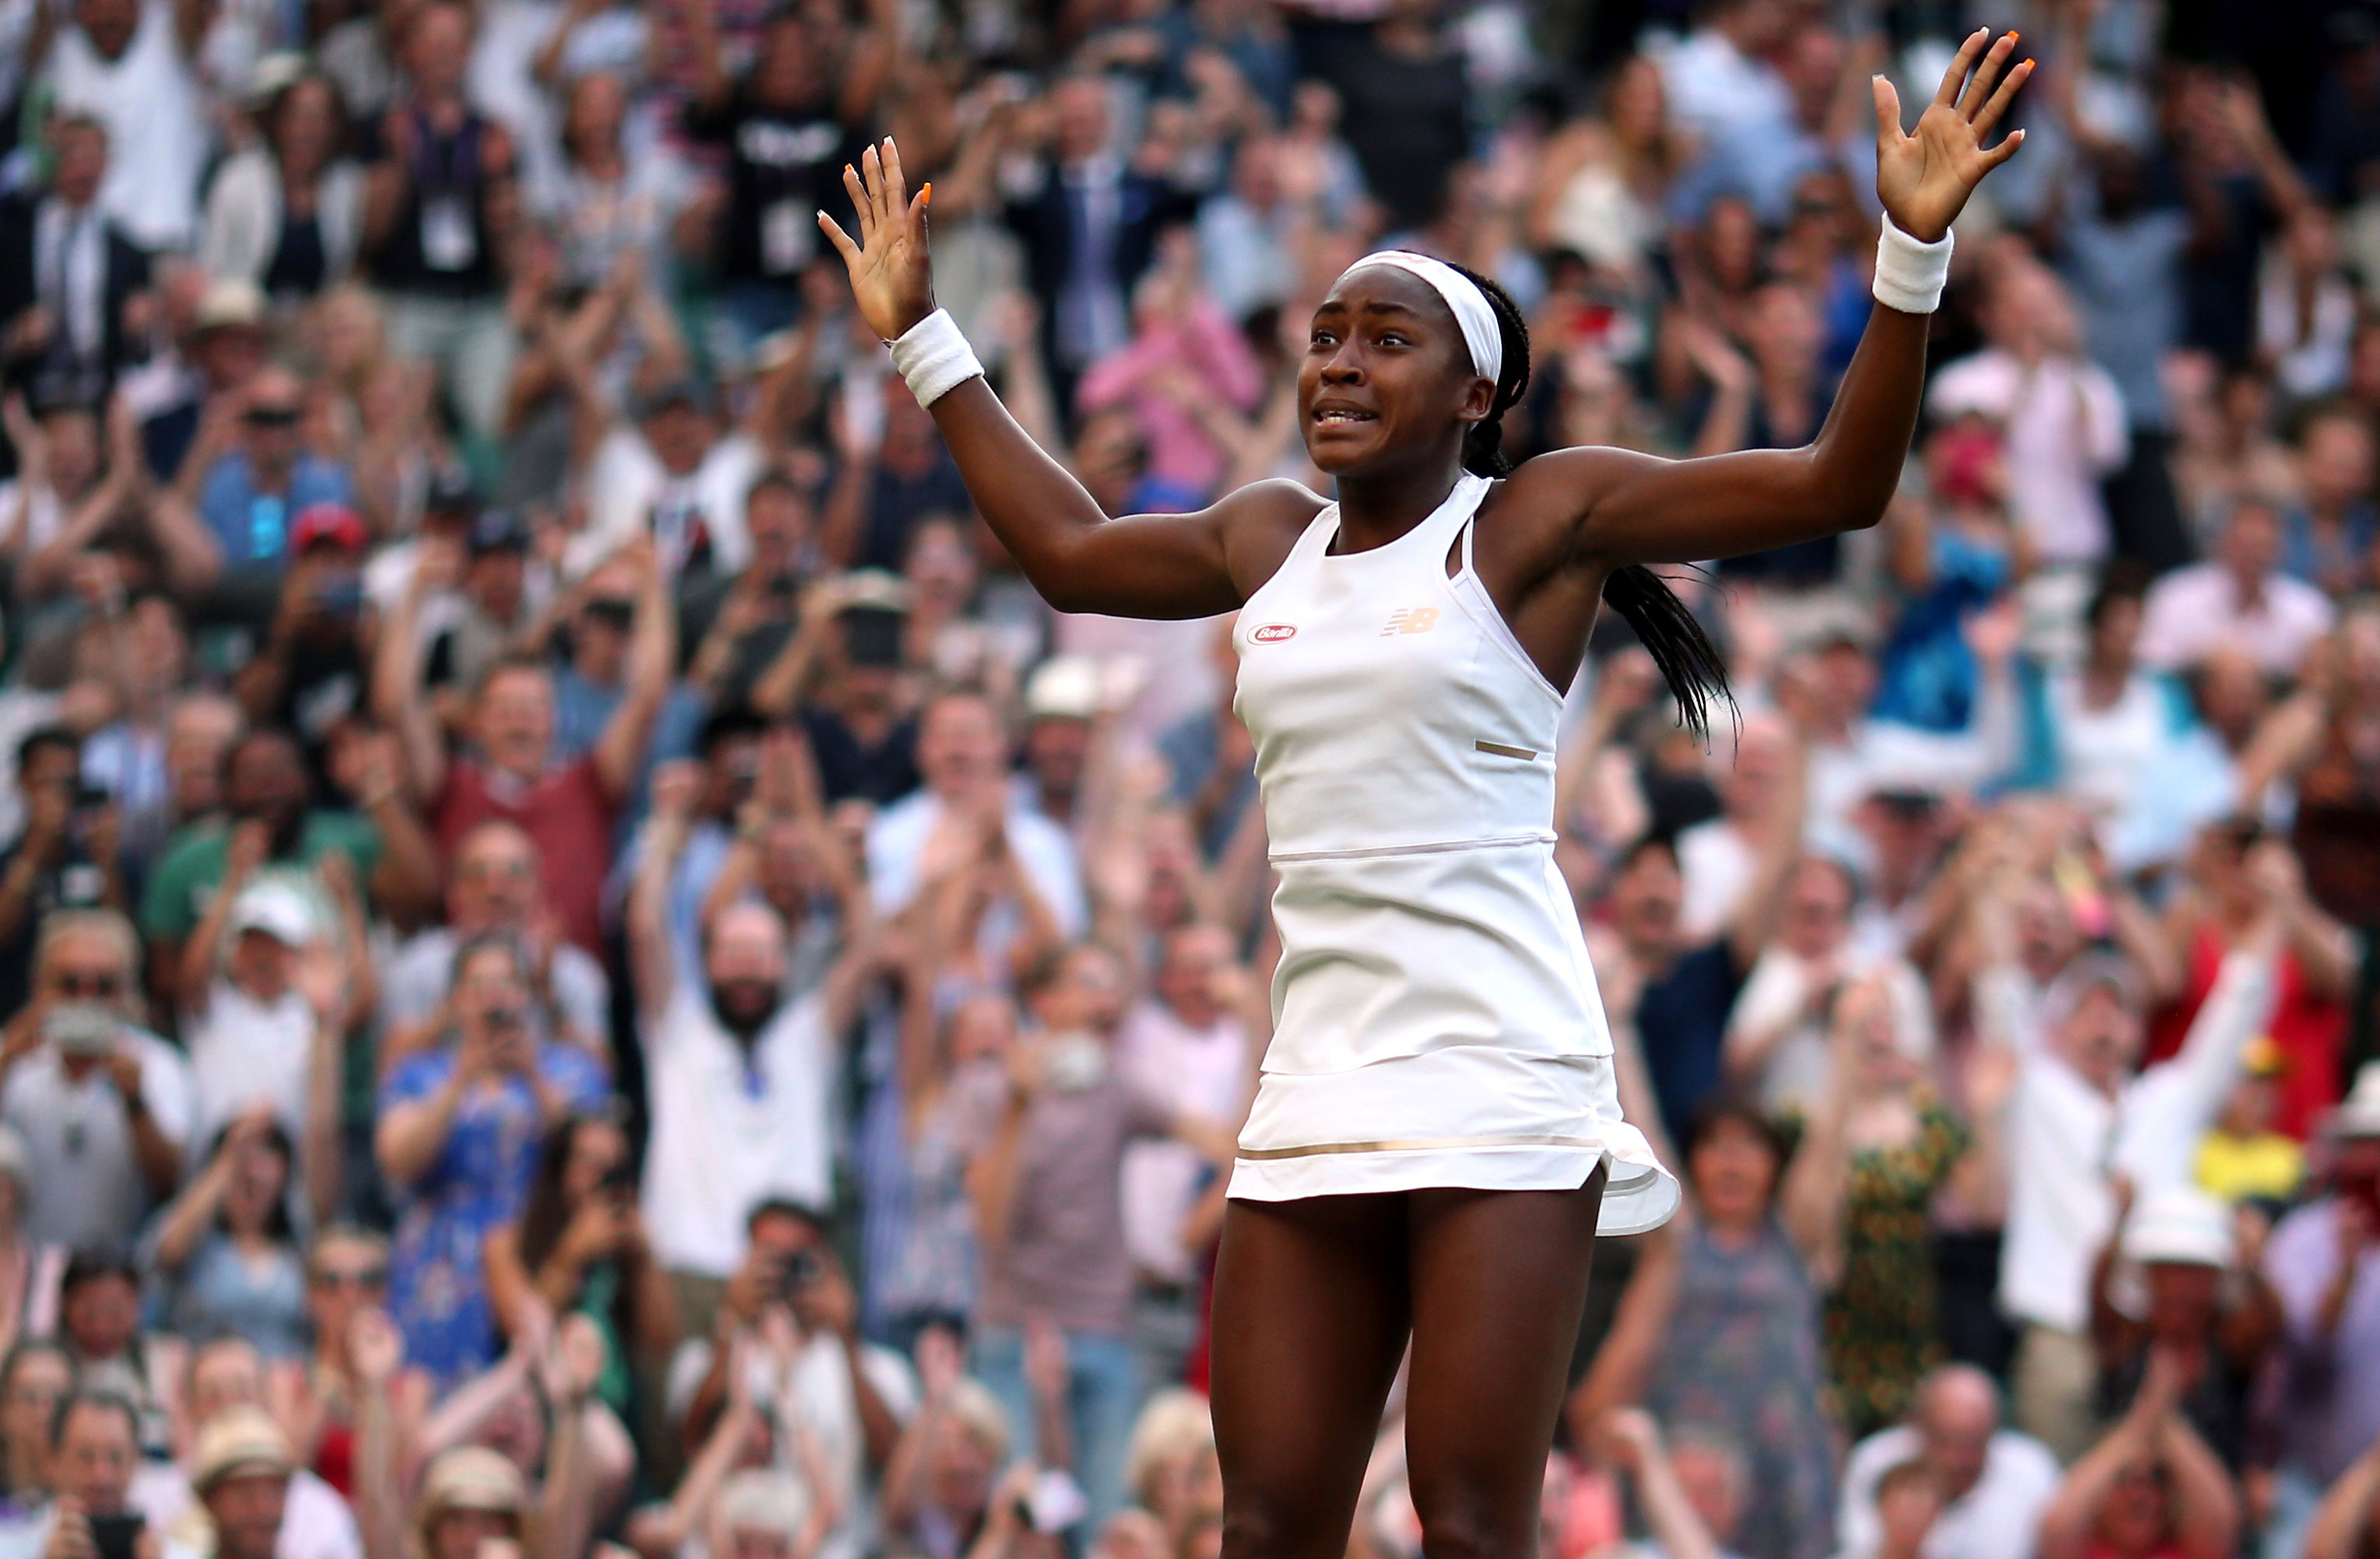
2179,1279
287,215
1718,1332
129,65
228,1245
103,1106
439,210
2150,1486
2321,1262
2060,414
1992,1483
1046,1143
1876,1147
2240,596
71,297
457,1139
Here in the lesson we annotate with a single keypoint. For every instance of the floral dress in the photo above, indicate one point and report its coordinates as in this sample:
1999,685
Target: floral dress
1880,1328
438,1289
1739,1364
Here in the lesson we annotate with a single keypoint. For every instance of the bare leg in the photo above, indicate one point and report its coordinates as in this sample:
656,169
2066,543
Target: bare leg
1499,1284
1311,1314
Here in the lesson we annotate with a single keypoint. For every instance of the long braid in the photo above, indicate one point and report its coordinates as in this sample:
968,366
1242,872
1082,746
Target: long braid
1690,663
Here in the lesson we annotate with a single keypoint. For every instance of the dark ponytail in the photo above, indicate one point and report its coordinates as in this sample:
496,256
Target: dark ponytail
1690,663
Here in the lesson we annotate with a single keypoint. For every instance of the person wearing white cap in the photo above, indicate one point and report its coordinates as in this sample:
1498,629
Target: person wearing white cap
269,1027
1437,1138
2174,1280
2324,1262
2081,1115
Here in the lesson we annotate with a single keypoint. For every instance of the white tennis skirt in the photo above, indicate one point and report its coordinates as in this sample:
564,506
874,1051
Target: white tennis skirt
1437,1024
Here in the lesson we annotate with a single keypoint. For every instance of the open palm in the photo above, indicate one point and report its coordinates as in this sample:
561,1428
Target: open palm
1923,179
892,279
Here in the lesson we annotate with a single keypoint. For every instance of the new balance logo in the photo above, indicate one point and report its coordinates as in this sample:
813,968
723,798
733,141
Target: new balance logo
1411,620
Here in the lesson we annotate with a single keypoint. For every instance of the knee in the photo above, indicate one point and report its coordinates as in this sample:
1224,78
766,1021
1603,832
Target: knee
1278,1524
1461,1527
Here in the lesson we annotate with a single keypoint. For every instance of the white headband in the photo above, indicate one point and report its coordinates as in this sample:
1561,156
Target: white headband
1472,309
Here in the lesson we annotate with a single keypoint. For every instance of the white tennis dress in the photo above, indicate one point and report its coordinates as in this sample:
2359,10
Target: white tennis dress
1436,1019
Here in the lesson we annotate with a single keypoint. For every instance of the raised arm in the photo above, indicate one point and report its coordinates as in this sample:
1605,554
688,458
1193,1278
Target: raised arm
653,652
1629,507
1168,566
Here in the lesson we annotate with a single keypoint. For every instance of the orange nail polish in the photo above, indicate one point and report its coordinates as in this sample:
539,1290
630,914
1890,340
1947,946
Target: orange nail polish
2028,64
926,196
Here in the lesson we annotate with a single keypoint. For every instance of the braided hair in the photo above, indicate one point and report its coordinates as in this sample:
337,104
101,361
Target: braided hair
1690,663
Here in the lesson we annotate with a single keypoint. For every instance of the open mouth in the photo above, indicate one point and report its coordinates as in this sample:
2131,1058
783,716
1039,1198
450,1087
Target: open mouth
1342,417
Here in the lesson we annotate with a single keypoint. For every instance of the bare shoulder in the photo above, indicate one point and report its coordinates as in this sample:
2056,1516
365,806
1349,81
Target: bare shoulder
1259,524
1542,507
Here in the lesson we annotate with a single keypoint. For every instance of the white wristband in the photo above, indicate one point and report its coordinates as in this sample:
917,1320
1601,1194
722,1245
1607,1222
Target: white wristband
1908,273
934,358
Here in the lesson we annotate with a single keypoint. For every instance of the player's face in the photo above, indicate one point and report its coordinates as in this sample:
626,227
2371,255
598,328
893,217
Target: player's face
1387,375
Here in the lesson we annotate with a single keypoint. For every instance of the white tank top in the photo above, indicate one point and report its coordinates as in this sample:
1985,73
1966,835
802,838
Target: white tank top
1391,707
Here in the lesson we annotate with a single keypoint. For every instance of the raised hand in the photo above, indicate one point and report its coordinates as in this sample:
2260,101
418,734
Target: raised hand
1923,179
892,277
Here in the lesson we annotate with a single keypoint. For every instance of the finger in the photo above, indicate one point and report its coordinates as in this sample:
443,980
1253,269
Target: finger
896,188
2004,150
1947,93
1997,103
839,239
859,207
1988,71
1887,111
873,166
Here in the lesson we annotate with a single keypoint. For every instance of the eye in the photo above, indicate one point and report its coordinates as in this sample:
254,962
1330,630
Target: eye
1322,338
1394,338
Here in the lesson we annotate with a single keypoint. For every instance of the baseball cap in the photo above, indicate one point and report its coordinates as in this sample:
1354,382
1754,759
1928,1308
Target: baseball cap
472,1478
333,523
2358,1114
498,530
680,392
2178,1226
230,303
242,1439
1063,687
277,910
452,492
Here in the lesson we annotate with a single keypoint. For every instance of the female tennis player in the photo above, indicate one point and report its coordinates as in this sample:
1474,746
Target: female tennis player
1436,1140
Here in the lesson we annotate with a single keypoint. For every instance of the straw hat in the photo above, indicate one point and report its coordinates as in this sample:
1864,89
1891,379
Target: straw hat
241,1441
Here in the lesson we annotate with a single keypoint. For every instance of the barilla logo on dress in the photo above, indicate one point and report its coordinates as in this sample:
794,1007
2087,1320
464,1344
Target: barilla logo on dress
1411,620
1272,632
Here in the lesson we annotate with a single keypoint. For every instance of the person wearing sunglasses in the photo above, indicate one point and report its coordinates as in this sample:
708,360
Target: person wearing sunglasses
104,1105
253,474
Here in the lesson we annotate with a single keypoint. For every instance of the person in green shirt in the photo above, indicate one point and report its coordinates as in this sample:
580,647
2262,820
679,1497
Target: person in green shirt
268,797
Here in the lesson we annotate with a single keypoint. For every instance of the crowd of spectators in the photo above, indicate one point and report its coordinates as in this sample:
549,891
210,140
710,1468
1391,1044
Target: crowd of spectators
585,967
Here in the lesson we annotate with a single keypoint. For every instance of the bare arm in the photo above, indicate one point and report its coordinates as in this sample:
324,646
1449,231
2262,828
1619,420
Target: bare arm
1164,566
619,750
2343,1523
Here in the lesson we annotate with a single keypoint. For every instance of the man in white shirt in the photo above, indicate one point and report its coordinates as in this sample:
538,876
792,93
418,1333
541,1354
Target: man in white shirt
2062,413
963,752
494,885
1993,1482
227,1400
739,1067
1188,1049
674,474
253,1041
1717,79
2238,599
94,1454
126,63
2080,1116
793,1305
1719,858
103,1106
